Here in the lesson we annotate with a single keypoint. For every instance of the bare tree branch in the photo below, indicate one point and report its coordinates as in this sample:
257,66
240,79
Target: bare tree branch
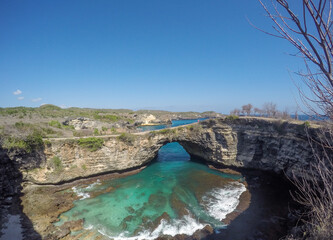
312,37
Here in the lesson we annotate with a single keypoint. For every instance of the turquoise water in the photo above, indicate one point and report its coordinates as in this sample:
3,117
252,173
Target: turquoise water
175,123
171,196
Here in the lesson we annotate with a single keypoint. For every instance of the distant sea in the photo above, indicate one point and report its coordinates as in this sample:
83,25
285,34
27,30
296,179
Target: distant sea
304,117
175,123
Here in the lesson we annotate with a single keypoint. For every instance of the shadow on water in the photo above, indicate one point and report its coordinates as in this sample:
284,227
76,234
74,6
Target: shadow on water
14,223
265,218
268,215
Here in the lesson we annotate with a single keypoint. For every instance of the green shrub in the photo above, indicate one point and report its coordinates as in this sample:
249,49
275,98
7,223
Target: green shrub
107,118
126,138
302,128
130,120
306,124
191,128
194,128
96,132
70,127
167,131
56,163
152,134
24,126
14,143
35,139
104,129
48,131
163,131
231,117
92,144
19,125
55,123
47,142
29,143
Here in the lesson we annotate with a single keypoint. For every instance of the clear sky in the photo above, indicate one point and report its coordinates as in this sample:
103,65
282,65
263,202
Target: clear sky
177,55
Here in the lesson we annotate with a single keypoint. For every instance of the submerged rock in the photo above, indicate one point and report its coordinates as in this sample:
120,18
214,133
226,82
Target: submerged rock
157,201
158,220
177,205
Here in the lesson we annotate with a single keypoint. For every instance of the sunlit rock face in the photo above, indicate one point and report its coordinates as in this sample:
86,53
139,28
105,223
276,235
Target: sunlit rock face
264,144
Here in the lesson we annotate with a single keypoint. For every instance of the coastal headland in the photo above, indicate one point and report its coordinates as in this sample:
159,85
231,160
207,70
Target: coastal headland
37,178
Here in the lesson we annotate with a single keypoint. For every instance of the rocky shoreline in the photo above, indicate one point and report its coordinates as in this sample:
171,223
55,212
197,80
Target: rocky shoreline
266,145
42,206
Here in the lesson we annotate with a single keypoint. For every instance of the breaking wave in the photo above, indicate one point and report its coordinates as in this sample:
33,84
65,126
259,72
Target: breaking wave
84,192
187,225
221,201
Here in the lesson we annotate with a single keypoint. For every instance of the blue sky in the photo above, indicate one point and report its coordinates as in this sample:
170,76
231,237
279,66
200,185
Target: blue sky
152,54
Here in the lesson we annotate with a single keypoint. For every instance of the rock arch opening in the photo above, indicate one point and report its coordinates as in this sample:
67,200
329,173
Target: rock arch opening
171,152
180,150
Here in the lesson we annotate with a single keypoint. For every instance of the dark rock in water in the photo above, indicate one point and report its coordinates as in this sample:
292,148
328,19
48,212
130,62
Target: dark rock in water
130,210
148,224
123,225
145,220
158,220
164,237
157,201
128,218
178,206
176,237
202,233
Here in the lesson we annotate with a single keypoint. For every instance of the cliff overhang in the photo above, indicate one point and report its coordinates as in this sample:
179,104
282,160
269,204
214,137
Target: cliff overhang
264,144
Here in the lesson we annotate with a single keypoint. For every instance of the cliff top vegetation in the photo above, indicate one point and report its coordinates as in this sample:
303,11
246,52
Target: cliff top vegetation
51,121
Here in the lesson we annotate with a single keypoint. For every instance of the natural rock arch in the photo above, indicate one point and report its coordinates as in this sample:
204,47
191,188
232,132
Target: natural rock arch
264,144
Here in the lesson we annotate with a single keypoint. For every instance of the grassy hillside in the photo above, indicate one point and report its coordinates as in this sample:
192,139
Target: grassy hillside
18,125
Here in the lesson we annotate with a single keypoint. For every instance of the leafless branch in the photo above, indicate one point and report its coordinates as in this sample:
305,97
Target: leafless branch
310,32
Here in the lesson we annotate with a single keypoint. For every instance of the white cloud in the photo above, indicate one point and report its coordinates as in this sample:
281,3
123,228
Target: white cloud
36,99
20,98
17,92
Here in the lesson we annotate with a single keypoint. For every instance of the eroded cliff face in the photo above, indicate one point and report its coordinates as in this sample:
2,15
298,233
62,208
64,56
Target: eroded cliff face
264,144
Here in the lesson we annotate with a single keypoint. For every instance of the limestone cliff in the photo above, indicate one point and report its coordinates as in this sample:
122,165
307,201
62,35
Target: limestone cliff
265,144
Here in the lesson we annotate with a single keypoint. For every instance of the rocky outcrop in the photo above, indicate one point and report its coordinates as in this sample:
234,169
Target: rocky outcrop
82,123
265,144
149,119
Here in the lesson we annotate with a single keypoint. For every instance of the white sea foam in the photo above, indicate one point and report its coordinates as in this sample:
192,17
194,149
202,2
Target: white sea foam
187,225
82,192
79,192
221,201
93,185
